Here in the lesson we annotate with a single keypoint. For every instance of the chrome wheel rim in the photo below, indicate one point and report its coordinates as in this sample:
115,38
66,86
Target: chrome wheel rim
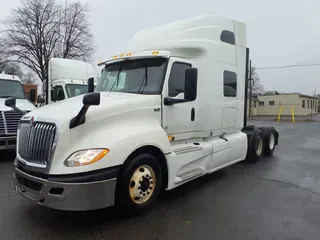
259,145
271,141
142,184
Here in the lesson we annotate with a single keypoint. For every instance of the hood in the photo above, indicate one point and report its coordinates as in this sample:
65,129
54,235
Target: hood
111,103
23,104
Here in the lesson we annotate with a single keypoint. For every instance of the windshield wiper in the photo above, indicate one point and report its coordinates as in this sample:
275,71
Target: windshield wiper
145,77
117,80
5,96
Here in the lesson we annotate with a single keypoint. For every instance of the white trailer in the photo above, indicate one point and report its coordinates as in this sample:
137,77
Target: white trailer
11,86
166,111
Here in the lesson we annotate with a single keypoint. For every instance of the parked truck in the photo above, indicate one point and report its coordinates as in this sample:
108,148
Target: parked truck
64,82
67,78
10,86
166,111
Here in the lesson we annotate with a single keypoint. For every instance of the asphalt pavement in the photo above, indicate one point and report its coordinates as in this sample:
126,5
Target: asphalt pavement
276,198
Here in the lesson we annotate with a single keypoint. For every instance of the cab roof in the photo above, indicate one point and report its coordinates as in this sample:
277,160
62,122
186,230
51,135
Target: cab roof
9,77
135,55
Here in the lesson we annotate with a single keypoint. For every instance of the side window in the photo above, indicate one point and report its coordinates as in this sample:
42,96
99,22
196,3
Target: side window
230,84
60,93
177,78
228,37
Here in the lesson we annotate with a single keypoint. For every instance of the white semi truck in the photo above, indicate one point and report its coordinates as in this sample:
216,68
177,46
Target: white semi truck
166,111
11,86
67,78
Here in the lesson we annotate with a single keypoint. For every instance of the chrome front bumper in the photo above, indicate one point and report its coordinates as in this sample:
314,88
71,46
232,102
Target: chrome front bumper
65,196
8,142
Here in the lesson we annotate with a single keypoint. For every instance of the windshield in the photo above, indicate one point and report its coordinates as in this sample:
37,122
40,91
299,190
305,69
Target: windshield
76,89
10,88
135,76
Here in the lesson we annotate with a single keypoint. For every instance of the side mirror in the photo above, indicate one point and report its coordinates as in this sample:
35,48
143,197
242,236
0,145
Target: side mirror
191,84
40,99
91,99
10,102
90,85
54,96
33,95
88,100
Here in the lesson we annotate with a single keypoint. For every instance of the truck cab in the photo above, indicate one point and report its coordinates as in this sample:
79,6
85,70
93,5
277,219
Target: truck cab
169,109
67,88
11,86
67,78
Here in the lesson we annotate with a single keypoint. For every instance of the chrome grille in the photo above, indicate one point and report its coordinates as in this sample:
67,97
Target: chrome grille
35,142
9,121
12,121
2,124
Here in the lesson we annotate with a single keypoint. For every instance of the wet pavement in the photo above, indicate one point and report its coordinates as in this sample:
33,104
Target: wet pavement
276,198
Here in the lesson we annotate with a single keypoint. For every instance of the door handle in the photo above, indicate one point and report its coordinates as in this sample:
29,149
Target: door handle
193,114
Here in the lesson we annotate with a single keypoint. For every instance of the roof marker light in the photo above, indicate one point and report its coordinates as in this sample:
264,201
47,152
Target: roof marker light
155,52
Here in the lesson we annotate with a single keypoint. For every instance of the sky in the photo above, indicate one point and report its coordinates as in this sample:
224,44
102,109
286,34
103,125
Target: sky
279,32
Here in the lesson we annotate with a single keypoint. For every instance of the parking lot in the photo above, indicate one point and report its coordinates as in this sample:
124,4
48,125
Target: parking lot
276,198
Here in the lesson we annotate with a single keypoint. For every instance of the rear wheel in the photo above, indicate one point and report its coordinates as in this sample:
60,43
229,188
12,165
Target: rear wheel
269,140
139,184
255,147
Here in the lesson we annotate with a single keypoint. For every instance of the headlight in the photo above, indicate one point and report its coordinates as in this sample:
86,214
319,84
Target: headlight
85,157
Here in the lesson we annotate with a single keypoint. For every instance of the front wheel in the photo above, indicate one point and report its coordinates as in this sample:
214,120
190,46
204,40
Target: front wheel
139,184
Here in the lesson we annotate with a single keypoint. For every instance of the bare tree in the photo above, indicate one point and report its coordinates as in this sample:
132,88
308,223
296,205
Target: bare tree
76,39
28,78
11,68
257,87
37,29
7,66
31,34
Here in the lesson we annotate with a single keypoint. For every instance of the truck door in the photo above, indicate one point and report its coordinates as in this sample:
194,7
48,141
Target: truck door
177,119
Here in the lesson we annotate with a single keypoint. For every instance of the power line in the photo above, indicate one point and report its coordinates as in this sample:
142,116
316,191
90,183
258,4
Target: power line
290,66
315,60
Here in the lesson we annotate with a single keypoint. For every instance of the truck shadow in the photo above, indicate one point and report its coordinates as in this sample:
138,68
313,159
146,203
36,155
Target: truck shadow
191,195
109,219
192,199
7,155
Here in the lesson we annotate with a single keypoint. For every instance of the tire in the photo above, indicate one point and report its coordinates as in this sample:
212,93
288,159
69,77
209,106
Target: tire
255,146
269,140
139,184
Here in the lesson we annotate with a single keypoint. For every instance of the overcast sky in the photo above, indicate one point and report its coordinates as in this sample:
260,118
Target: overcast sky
281,32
